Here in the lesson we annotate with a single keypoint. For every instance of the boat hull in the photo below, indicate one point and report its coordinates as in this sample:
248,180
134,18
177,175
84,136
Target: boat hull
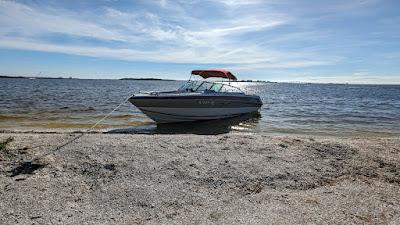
174,115
173,109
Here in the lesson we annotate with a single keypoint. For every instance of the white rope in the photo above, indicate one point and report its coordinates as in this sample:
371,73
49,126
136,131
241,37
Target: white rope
109,114
80,135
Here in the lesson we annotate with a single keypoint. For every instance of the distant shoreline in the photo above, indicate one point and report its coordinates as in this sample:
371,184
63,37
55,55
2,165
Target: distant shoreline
161,79
125,78
151,79
70,78
22,77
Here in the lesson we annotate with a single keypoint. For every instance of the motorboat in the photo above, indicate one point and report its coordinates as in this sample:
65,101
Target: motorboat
198,100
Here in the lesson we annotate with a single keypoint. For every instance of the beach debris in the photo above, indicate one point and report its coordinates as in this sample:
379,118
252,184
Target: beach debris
97,170
110,166
26,168
14,156
3,144
283,145
215,216
35,217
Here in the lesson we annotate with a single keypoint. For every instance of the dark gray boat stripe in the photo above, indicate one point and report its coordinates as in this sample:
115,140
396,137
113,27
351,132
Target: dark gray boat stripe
194,97
227,115
199,103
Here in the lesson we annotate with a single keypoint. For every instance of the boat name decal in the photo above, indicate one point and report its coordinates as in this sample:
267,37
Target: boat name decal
206,102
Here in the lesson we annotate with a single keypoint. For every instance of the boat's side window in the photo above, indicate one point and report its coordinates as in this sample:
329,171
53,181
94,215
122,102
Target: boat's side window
189,86
227,88
216,87
204,86
185,86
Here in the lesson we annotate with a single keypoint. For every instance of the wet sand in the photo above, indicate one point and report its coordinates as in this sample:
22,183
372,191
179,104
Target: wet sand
198,179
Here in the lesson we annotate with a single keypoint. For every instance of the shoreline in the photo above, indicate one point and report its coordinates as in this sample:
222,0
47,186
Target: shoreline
178,129
230,178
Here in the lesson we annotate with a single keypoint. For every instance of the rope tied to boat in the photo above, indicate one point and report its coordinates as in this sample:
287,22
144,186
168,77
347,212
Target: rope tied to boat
109,114
81,133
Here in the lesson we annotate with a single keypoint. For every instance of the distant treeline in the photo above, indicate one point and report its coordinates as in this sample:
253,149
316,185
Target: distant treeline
128,78
145,79
4,76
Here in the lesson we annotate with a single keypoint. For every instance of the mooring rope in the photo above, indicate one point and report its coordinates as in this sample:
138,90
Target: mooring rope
81,133
109,114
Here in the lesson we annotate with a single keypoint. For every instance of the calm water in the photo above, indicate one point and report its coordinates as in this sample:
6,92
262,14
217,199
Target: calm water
288,108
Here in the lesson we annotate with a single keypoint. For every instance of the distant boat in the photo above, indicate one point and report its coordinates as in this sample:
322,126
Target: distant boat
198,100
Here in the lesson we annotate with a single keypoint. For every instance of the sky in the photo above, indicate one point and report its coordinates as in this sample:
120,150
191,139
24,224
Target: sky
338,41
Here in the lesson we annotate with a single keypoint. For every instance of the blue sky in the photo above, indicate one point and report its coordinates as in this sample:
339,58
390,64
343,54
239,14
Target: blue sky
354,41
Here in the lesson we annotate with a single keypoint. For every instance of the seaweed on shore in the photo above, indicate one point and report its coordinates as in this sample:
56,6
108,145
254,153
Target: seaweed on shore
26,168
12,157
3,144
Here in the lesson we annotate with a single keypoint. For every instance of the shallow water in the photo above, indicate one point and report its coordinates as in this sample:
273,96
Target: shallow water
326,109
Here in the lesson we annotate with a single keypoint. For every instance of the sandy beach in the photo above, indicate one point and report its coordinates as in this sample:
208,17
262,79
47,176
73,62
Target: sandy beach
252,112
104,178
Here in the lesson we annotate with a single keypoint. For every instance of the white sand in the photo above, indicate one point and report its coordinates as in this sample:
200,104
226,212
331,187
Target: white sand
194,179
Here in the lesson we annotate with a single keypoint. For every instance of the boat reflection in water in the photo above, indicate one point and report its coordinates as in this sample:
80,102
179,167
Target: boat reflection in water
209,127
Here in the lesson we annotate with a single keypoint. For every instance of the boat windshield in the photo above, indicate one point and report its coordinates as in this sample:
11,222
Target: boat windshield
190,86
205,86
216,87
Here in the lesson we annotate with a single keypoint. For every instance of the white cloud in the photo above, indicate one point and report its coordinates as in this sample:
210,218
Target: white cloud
172,36
240,57
240,26
27,21
199,43
283,64
238,3
346,78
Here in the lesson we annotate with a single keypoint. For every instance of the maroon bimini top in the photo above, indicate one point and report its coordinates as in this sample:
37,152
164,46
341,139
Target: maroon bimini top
214,73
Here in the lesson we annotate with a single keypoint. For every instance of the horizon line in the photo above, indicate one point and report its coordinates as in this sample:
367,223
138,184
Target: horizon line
165,79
